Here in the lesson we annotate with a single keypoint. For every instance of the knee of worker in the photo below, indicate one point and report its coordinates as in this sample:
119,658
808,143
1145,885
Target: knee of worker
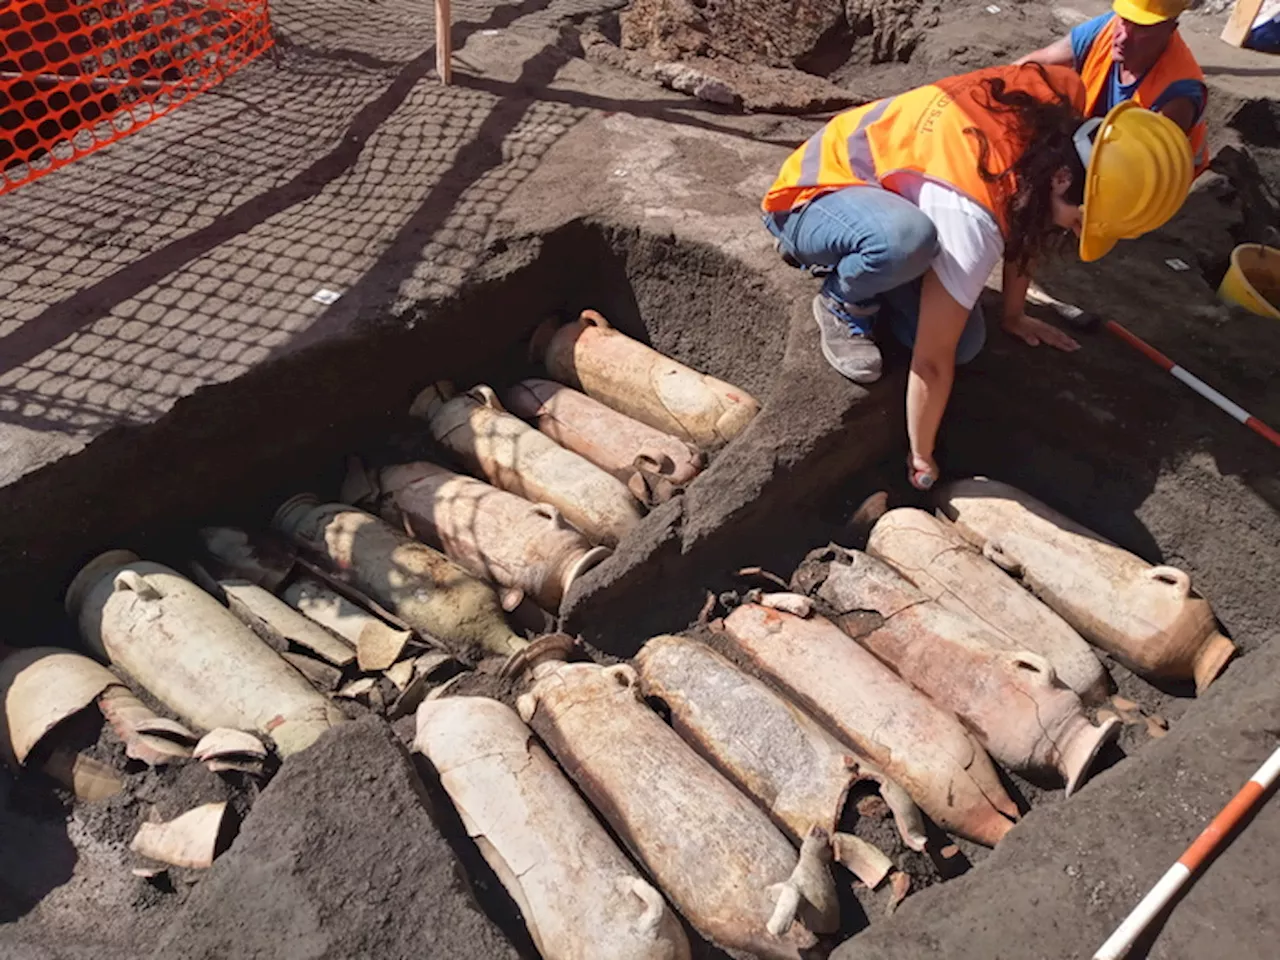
973,338
910,247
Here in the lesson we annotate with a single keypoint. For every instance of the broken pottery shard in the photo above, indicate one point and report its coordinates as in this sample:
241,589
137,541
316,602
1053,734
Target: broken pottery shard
236,764
191,840
422,586
634,379
334,612
917,743
357,689
148,737
901,887
39,688
515,457
526,547
324,677
792,603
378,650
269,563
1147,617
363,690
948,570
578,893
718,858
259,560
445,689
428,670
654,465
1104,715
223,743
432,663
866,861
225,749
192,654
89,779
400,674
769,748
261,610
809,890
1012,700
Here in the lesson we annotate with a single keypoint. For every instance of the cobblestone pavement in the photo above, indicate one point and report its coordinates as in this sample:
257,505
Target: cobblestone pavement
191,251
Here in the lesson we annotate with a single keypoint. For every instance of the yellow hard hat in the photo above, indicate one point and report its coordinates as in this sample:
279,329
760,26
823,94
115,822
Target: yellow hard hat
1138,173
1147,12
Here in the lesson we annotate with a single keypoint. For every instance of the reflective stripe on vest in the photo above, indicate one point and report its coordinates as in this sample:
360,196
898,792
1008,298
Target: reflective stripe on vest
1177,62
857,147
933,131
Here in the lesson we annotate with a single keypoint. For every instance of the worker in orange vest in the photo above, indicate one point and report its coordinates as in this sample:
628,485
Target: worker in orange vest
1136,53
907,204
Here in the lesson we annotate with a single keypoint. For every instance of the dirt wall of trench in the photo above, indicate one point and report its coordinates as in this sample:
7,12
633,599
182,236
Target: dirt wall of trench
231,452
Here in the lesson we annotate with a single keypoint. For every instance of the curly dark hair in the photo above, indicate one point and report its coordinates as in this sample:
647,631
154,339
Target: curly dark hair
1046,128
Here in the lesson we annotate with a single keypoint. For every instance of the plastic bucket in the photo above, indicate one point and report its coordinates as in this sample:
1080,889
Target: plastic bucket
1253,280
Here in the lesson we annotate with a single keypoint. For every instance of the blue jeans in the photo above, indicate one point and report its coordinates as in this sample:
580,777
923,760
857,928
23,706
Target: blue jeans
875,248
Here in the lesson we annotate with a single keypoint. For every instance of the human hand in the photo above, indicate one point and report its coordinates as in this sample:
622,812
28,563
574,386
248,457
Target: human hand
921,471
1034,332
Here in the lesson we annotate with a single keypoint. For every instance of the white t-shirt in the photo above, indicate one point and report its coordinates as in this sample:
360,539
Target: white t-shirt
970,240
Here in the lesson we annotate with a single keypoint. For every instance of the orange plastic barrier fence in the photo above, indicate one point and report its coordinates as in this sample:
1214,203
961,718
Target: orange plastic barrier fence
76,75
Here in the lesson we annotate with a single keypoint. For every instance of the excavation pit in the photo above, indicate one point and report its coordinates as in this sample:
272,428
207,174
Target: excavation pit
1078,436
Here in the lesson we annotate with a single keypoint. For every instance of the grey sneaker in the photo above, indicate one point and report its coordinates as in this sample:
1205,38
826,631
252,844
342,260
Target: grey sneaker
853,354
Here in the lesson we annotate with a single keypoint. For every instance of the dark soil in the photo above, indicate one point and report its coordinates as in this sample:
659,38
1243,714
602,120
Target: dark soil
805,57
904,43
340,858
348,853
1061,881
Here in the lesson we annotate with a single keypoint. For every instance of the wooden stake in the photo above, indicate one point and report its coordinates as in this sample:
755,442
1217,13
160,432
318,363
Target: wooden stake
444,42
1241,22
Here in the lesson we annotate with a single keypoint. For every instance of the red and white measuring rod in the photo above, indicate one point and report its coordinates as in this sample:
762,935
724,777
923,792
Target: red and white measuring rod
1076,316
1195,383
1213,836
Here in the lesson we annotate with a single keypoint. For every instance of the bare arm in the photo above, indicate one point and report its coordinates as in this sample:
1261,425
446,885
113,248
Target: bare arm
1015,286
1015,322
1058,53
1182,112
933,366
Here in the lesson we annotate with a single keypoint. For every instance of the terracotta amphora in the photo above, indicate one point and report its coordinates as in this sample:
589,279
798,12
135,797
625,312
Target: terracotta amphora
192,654
637,380
923,747
773,751
493,534
1146,616
729,870
950,571
579,895
654,465
418,584
1012,699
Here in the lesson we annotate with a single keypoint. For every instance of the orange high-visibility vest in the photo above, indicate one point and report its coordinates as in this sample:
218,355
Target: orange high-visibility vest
928,131
1176,63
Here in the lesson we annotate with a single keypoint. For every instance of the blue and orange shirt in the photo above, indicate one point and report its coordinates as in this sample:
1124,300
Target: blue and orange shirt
1176,75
